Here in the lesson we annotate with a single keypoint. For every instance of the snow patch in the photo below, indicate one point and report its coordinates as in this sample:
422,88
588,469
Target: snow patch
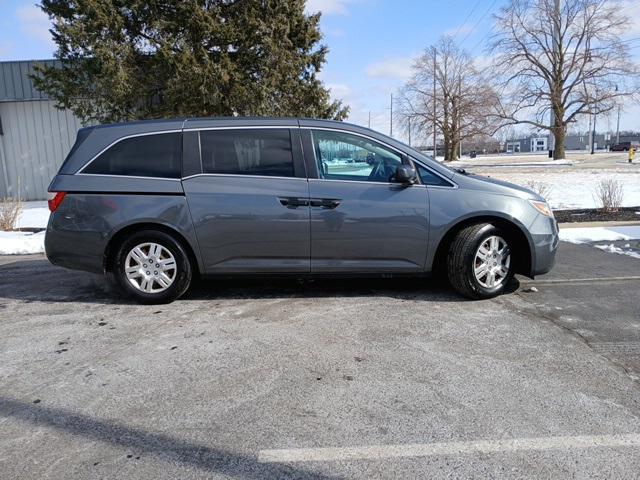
575,189
547,163
611,248
33,215
599,234
21,243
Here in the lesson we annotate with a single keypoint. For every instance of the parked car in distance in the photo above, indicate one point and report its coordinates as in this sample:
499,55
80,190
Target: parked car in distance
624,146
154,203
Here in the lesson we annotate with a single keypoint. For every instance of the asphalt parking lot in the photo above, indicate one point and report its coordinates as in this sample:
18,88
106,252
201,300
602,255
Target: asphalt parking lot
323,379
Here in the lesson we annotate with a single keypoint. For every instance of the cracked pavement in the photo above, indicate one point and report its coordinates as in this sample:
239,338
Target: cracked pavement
94,387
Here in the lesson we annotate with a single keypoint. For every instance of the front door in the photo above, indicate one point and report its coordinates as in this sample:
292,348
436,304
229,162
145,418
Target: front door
250,203
361,221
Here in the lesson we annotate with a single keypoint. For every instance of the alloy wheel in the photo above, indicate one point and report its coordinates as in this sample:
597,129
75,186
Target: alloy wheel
491,262
150,267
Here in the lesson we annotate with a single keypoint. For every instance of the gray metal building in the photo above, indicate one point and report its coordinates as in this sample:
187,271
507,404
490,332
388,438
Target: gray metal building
35,137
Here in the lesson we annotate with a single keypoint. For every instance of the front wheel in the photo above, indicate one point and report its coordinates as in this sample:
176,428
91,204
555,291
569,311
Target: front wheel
479,262
152,267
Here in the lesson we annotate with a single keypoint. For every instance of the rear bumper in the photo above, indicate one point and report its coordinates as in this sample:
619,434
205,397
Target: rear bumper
82,256
67,246
544,234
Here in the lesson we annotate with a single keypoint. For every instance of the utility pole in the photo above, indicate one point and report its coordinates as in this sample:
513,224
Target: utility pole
435,150
557,26
618,124
590,132
391,117
460,115
593,134
409,120
369,124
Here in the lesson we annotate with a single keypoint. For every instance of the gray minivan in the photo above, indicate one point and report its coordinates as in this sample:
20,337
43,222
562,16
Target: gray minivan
153,203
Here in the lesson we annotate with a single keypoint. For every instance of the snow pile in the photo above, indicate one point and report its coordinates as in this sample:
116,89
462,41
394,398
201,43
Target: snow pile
611,248
21,243
599,234
33,215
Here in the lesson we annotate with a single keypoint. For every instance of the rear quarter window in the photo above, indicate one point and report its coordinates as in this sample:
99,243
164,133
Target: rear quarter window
157,155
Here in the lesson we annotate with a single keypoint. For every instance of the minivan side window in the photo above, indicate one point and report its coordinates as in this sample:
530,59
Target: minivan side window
157,155
342,156
263,152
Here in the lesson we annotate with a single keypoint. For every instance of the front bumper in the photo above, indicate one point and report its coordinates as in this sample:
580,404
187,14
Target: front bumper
545,238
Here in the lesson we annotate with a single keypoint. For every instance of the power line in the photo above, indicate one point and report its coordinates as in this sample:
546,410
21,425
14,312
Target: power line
629,40
478,22
482,41
468,16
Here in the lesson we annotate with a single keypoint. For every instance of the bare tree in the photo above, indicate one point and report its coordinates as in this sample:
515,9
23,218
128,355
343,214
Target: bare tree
559,59
10,209
458,102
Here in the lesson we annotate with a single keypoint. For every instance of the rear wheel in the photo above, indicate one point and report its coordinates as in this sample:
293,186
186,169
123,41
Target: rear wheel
152,267
479,262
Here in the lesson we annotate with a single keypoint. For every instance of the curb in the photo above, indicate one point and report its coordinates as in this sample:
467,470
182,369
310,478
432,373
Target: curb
630,223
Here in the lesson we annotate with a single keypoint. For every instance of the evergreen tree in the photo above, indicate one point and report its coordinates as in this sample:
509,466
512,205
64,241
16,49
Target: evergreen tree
135,59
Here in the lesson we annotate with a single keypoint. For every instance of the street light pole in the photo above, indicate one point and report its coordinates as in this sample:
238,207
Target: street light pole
557,26
435,150
391,118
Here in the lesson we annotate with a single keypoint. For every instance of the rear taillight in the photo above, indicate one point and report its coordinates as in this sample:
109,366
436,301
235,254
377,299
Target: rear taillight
55,199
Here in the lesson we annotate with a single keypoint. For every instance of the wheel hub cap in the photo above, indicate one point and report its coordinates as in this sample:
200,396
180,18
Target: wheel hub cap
150,268
492,261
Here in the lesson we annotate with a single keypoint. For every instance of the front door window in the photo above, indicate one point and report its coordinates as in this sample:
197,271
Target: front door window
342,156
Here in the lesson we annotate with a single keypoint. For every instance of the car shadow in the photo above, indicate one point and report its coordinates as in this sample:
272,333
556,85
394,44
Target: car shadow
159,445
37,280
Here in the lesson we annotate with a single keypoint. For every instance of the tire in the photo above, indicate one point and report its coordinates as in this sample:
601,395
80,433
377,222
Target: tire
464,257
161,281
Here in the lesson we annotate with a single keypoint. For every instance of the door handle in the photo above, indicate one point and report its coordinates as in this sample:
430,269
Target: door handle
326,203
293,202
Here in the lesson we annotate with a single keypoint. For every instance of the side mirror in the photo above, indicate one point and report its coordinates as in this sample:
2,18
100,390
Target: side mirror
405,174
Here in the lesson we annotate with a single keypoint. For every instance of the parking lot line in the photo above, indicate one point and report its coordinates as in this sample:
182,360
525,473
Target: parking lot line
378,452
562,281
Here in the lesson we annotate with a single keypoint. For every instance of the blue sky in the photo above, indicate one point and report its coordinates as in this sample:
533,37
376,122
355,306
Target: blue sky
371,42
